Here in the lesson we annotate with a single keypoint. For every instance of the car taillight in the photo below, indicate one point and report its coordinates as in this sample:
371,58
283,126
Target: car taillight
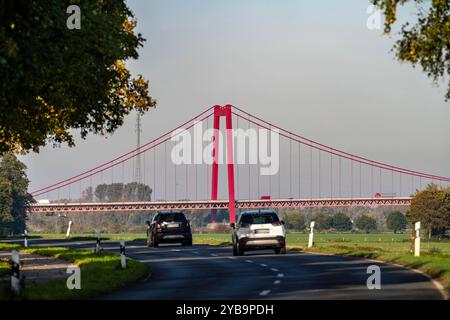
276,223
187,224
158,226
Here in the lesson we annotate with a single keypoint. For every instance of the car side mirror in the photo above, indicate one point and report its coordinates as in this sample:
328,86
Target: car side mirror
282,222
233,225
147,223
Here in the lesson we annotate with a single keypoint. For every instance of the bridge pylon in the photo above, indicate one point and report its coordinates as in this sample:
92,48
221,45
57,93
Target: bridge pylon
223,111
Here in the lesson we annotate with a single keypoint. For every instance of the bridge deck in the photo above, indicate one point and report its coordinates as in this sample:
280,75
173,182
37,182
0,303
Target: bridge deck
216,204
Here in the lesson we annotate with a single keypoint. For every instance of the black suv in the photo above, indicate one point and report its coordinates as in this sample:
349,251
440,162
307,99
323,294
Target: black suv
169,227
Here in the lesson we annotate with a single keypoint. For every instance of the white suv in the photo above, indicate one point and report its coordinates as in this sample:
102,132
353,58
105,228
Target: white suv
258,229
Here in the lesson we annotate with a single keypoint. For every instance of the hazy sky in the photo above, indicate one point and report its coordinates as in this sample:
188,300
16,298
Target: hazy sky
309,66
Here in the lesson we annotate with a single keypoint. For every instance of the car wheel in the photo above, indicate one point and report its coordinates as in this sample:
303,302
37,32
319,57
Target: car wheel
235,251
189,243
283,250
155,242
240,250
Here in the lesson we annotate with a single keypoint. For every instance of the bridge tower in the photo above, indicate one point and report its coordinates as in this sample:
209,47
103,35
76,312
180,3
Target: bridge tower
223,111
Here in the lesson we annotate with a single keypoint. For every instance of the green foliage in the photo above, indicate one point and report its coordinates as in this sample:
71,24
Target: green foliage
341,222
14,197
55,79
432,208
396,221
366,223
295,221
114,192
427,41
323,221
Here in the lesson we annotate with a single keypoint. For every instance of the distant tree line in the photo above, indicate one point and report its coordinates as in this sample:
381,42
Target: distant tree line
340,222
115,192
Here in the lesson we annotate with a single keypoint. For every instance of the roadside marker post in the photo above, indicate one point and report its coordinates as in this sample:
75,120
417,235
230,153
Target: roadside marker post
25,239
311,234
123,258
15,272
69,229
98,246
417,239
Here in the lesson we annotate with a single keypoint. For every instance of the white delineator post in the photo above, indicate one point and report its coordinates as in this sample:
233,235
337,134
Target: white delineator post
311,234
68,229
417,239
15,272
25,239
123,258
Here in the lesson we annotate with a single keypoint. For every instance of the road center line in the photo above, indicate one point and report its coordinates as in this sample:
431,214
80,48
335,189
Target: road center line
280,275
274,269
263,265
264,293
249,261
276,282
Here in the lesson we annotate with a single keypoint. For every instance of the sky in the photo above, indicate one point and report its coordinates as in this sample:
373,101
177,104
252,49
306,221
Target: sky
312,67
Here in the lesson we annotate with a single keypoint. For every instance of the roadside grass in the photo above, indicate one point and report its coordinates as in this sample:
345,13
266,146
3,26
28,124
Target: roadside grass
100,273
8,246
4,267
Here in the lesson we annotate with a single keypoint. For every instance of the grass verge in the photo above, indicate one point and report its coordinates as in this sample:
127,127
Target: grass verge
100,273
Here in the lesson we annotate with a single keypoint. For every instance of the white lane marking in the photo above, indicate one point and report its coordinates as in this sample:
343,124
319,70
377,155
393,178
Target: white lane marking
276,282
214,255
274,269
195,252
176,250
280,275
249,261
264,293
263,265
231,258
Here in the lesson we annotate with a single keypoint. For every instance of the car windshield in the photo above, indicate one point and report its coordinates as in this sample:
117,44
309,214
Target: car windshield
177,217
259,218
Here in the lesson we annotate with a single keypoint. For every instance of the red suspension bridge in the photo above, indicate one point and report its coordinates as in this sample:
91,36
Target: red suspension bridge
307,173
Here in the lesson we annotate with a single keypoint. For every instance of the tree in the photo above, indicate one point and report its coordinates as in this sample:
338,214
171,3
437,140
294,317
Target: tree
295,221
60,78
101,192
366,223
396,221
426,42
431,207
88,195
341,222
14,197
323,221
6,204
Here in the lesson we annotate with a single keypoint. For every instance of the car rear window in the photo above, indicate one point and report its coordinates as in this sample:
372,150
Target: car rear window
178,217
259,218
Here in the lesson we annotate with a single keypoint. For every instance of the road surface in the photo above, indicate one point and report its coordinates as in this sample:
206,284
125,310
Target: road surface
212,272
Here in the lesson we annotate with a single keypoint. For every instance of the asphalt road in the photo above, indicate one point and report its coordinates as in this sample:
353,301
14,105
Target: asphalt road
212,272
